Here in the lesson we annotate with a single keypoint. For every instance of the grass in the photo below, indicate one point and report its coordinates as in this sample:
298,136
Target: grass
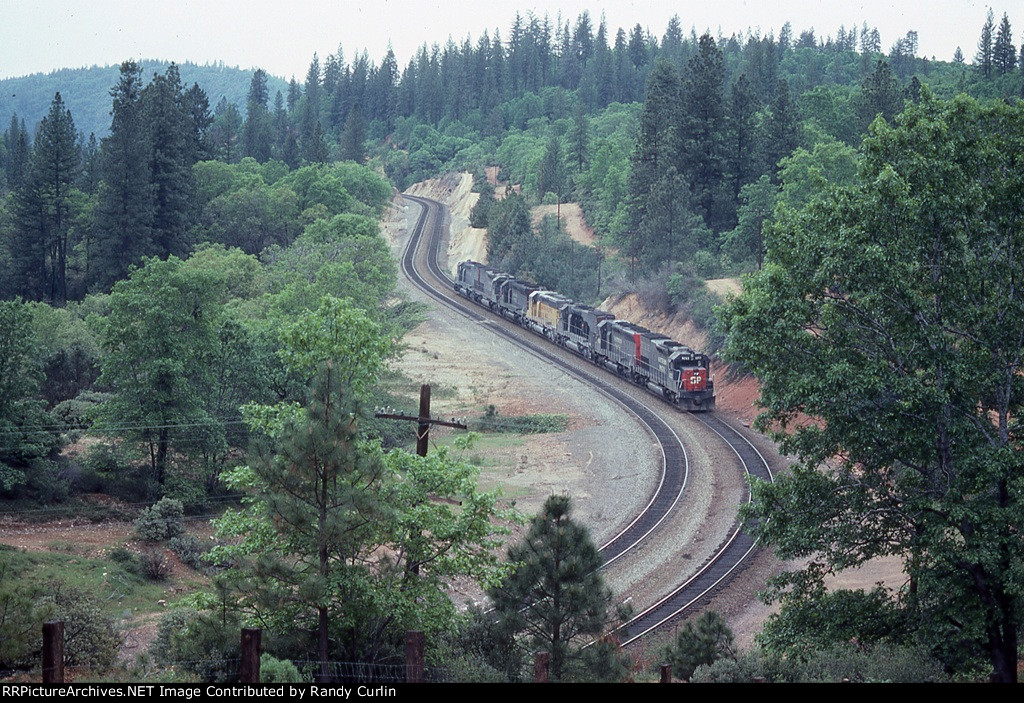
536,423
109,582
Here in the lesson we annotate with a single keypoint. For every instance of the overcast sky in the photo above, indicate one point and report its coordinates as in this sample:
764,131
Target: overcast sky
281,37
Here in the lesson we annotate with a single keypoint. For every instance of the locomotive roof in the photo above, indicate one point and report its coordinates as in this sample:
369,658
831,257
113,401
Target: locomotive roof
552,297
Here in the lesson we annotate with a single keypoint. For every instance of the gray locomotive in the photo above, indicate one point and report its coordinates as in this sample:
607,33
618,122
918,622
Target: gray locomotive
662,365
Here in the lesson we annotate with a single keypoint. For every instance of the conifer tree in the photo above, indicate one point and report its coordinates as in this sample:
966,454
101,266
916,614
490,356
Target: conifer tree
1004,53
657,143
701,157
983,59
171,134
124,211
322,492
43,208
551,178
16,140
353,136
256,135
556,595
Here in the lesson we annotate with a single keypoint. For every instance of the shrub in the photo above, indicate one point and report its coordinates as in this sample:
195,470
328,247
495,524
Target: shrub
274,670
881,663
162,521
537,423
204,645
154,564
702,642
188,550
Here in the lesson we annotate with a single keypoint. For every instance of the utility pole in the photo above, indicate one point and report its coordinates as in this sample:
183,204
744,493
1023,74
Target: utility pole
424,421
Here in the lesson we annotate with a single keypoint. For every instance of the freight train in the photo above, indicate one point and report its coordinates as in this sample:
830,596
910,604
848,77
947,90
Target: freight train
663,366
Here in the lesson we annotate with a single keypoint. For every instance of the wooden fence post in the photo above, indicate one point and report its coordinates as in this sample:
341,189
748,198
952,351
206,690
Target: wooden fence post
53,652
666,673
249,668
414,665
540,667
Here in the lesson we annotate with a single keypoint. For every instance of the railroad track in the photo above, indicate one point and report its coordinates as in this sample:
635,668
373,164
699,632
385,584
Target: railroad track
737,548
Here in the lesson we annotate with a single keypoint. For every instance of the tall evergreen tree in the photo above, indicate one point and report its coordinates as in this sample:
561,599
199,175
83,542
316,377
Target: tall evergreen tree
780,128
1004,53
551,178
579,140
43,208
740,135
197,108
880,94
983,59
256,135
171,134
701,157
124,211
657,143
556,595
353,137
17,142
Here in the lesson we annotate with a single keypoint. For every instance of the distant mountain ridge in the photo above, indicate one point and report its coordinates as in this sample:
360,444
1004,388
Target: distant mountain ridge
86,91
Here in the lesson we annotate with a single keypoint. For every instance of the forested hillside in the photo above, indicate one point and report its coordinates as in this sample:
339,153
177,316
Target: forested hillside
86,91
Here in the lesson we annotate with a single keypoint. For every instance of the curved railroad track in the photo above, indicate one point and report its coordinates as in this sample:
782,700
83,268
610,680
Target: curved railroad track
736,549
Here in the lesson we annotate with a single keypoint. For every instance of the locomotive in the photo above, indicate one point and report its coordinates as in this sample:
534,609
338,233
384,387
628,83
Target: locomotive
662,365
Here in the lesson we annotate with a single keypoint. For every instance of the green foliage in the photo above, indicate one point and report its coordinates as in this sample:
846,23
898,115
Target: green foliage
161,330
86,91
842,662
555,595
161,521
343,256
188,549
126,560
537,423
348,547
154,565
887,312
204,644
831,618
700,643
277,671
28,451
26,601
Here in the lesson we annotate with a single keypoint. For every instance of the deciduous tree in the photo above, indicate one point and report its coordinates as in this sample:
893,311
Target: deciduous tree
891,315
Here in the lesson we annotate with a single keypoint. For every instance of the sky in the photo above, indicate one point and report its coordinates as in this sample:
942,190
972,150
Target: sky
280,37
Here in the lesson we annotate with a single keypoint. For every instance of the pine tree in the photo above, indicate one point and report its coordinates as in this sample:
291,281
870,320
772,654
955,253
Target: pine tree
983,59
16,140
321,492
1004,53
701,157
740,135
551,178
579,140
171,135
256,135
353,137
657,144
124,211
700,643
556,595
197,108
43,208
879,95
